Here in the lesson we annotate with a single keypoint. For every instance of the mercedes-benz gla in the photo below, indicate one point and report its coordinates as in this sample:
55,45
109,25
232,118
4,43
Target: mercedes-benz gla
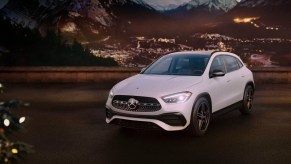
182,90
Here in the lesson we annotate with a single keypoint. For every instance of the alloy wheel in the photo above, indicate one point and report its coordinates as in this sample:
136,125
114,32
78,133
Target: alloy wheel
203,116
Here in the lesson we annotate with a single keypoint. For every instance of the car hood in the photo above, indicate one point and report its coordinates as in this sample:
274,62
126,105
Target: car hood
155,85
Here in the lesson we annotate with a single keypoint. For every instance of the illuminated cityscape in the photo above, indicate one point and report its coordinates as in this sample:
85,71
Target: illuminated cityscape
135,33
142,50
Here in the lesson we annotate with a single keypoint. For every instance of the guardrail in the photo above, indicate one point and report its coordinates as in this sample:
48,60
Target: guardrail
110,74
272,75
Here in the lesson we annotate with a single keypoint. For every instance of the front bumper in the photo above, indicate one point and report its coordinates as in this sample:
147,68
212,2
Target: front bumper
167,121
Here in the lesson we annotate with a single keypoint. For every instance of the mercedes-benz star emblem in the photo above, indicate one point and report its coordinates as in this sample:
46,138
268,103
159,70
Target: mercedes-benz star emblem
132,103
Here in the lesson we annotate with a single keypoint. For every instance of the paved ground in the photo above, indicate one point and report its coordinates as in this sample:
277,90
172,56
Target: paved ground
67,125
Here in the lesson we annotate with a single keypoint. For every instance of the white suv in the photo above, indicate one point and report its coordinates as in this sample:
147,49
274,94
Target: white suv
182,91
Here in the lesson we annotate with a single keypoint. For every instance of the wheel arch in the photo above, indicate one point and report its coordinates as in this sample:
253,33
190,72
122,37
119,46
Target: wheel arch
193,126
251,83
205,95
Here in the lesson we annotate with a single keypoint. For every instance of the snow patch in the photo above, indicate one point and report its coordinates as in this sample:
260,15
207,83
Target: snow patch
224,5
99,14
70,27
105,39
255,3
94,30
74,14
163,5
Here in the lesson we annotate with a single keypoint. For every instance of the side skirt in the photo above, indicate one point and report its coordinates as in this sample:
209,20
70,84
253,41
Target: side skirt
228,109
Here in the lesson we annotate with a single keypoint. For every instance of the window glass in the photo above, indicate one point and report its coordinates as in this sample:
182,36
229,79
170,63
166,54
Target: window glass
179,64
231,63
217,65
182,63
160,66
240,64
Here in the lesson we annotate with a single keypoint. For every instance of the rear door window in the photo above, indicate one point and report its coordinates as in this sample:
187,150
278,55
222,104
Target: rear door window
217,64
231,63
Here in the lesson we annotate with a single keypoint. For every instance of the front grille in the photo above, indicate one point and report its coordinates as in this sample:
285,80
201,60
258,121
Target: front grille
140,104
172,119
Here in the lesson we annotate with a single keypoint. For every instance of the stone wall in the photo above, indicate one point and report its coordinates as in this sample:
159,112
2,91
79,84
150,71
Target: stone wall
109,74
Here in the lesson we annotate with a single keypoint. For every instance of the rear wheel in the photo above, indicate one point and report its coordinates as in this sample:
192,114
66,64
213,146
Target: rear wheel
200,118
247,100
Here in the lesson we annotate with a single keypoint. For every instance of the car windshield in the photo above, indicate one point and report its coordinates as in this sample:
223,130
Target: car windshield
179,64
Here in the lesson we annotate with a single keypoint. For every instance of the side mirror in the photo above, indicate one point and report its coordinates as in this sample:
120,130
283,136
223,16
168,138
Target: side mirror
217,73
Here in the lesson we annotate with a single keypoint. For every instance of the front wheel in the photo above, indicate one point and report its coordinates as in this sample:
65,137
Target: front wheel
200,117
247,100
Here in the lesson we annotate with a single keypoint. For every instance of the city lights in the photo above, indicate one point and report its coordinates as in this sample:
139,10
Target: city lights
254,21
6,122
21,120
245,20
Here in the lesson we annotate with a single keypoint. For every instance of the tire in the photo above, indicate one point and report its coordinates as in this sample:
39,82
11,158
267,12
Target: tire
247,100
200,117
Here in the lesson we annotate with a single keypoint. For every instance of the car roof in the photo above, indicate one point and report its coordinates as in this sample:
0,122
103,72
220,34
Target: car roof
208,53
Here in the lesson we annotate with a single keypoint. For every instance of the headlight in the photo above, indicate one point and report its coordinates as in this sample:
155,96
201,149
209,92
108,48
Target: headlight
111,94
177,97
